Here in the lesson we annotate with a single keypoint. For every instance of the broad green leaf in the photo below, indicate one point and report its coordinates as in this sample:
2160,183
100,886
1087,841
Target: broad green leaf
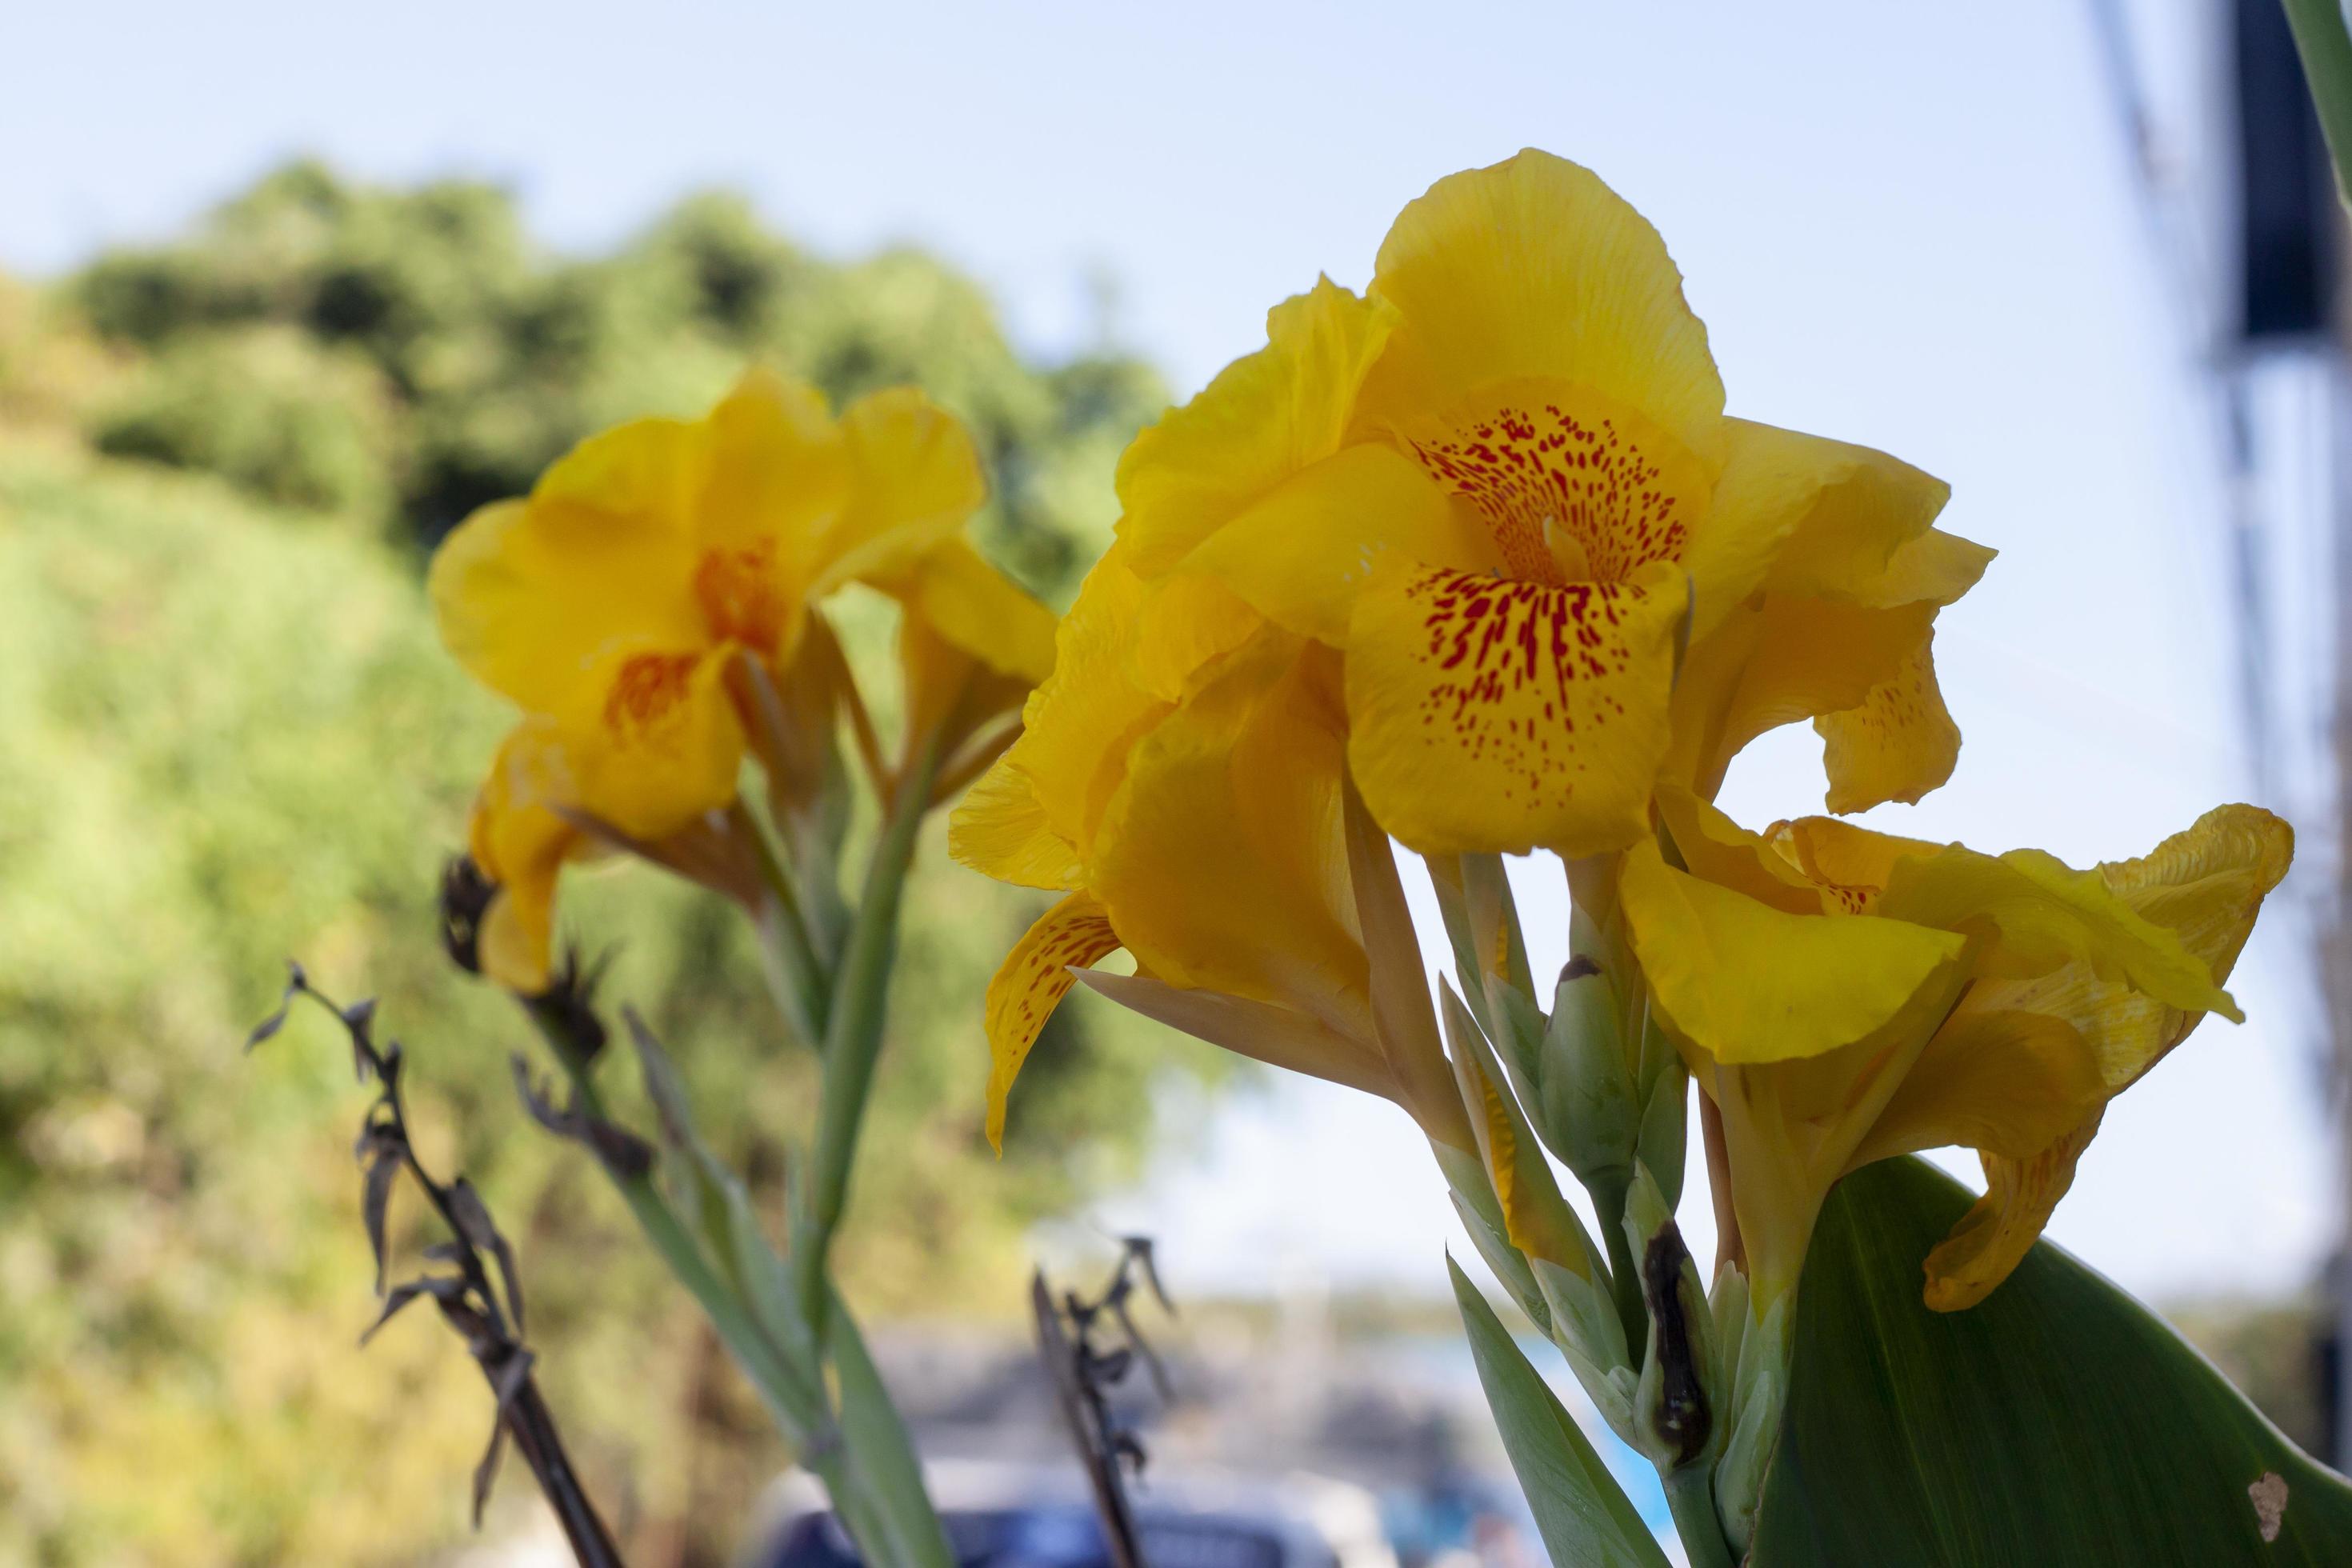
1585,1518
2058,1421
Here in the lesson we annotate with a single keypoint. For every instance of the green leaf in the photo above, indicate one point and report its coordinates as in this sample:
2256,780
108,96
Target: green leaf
880,1450
2057,1421
2325,45
1585,1519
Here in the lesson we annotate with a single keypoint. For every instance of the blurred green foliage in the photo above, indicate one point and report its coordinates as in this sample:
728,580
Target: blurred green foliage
228,736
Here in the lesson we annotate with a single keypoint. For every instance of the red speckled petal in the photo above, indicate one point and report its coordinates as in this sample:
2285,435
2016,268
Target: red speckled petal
1489,715
1030,983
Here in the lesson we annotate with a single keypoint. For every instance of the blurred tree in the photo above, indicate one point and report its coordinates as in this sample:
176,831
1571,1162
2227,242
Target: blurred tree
494,358
226,736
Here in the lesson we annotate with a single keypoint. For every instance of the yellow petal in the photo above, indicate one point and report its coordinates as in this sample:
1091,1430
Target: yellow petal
1897,743
1302,552
1264,1031
2205,887
2002,1082
1935,568
1491,715
1080,723
1810,516
521,846
1852,861
1747,983
536,597
1716,850
914,480
1264,418
977,608
1030,983
778,475
2041,915
662,745
2000,1227
1221,856
1184,625
1777,662
1000,830
1534,267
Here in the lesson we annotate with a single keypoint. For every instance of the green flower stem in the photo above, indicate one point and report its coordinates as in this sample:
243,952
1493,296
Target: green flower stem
788,956
1608,1189
852,1035
2326,49
791,1397
1690,1494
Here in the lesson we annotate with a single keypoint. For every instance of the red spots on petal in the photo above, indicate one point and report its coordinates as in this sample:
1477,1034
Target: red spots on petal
1518,667
1569,488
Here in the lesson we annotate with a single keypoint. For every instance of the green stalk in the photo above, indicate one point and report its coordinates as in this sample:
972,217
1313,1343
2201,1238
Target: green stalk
792,1398
2326,49
852,1036
1690,1495
1608,1189
788,956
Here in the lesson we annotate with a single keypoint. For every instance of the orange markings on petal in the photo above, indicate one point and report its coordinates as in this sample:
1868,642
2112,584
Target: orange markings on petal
740,597
1030,983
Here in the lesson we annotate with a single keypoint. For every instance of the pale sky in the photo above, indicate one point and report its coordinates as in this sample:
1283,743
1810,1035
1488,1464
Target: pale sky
1908,227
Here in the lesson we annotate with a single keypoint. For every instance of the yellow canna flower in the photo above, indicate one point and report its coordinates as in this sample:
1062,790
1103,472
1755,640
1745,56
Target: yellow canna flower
1845,997
652,608
1502,485
1180,778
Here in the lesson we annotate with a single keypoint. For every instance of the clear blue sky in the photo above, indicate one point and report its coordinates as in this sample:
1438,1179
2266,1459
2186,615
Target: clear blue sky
1905,225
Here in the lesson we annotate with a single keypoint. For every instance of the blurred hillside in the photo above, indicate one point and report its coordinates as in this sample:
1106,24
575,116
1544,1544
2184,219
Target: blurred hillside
227,735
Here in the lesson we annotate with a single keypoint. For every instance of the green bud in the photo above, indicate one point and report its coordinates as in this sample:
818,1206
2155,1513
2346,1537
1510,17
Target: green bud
1591,1115
1759,1379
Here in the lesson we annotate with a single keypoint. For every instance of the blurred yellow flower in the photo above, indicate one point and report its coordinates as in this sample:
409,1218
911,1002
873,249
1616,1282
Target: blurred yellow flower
1180,778
1502,485
1845,997
650,605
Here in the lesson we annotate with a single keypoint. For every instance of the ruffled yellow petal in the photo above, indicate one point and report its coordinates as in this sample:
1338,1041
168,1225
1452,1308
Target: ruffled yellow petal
1000,830
1775,663
778,477
1030,983
1535,267
2005,1083
1487,714
1183,626
914,481
2000,1227
1301,553
1222,856
1079,724
1809,515
1747,983
1264,418
2205,887
2041,915
1898,743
